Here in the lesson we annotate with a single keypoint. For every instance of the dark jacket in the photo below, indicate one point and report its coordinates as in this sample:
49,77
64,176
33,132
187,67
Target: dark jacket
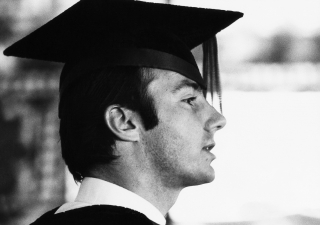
94,215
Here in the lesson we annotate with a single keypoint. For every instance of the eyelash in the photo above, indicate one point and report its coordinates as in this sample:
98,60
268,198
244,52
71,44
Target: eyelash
190,100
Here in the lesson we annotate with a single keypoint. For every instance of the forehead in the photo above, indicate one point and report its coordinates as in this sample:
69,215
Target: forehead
171,82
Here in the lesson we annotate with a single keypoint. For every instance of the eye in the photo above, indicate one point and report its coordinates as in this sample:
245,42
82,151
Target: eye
190,101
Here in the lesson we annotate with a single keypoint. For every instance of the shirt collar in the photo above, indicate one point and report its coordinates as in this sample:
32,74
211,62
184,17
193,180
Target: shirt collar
99,192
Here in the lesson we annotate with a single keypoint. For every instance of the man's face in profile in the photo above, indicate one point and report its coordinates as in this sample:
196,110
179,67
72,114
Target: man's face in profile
178,148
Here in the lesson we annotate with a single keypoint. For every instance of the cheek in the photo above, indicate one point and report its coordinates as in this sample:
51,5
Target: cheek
181,128
165,144
165,150
178,136
181,120
175,147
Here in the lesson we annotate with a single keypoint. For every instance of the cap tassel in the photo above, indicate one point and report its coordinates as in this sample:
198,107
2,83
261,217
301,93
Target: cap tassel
211,71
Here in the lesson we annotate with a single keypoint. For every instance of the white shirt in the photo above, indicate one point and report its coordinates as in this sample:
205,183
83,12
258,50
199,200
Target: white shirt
99,192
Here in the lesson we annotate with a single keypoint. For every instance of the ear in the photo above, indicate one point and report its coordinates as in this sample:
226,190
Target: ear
124,123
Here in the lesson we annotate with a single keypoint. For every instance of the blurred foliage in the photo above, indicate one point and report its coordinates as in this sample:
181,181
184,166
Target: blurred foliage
31,168
286,47
11,152
14,22
8,10
5,28
280,48
316,40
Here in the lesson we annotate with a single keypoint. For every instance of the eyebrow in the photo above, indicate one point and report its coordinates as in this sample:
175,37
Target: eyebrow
187,84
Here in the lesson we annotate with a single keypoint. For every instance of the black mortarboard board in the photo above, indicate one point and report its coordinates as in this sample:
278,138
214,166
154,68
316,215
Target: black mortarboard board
97,33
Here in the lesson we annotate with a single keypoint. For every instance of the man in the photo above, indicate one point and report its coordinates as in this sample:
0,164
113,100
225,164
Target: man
135,126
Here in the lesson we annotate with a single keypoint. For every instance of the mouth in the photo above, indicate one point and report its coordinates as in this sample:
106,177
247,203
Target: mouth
208,148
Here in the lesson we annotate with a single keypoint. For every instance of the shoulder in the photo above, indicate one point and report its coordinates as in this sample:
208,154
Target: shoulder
99,214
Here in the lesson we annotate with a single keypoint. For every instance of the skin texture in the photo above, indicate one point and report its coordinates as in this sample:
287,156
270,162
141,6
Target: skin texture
158,163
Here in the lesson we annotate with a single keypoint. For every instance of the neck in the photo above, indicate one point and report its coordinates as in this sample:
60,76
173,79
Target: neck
163,198
148,187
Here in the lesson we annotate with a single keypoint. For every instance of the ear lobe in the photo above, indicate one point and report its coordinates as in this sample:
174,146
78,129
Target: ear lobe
122,122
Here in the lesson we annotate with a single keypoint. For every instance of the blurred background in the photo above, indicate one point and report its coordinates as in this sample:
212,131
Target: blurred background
267,166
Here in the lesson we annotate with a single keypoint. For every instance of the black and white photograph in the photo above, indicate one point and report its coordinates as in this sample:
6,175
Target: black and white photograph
159,112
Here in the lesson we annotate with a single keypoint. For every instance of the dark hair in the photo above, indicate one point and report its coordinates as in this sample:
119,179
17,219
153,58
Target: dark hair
86,140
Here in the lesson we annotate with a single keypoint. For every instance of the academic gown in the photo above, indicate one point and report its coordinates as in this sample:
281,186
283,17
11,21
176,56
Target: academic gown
94,215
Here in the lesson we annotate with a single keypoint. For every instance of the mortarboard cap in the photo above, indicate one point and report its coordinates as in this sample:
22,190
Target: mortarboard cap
98,33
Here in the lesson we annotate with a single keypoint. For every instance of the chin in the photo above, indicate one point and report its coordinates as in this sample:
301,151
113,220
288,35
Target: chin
203,178
209,176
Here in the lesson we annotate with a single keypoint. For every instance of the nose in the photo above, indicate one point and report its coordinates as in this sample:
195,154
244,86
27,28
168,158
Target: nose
216,121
